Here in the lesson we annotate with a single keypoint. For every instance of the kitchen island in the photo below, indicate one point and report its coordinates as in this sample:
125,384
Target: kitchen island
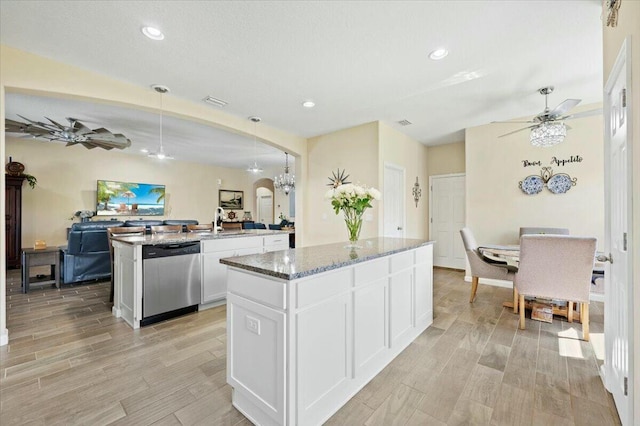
307,328
201,282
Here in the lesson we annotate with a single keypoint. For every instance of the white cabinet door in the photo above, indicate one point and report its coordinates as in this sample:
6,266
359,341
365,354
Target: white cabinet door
214,275
371,314
401,298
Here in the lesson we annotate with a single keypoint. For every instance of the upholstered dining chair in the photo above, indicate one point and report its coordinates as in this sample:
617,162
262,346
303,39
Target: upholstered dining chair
121,231
259,225
166,229
556,267
482,268
527,230
205,227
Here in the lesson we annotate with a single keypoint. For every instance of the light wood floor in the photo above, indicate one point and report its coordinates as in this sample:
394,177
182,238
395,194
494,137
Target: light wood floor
70,362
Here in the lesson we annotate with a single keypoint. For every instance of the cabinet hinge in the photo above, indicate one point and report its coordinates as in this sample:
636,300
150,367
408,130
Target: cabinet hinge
431,220
626,386
624,241
624,98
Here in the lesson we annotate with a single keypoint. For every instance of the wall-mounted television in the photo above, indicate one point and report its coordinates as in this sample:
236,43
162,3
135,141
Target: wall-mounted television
129,199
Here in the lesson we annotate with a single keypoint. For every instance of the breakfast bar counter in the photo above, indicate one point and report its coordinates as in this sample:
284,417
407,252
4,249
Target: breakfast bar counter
307,328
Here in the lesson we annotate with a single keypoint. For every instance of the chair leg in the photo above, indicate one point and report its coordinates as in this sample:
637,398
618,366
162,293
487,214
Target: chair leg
570,311
515,299
521,297
474,288
584,317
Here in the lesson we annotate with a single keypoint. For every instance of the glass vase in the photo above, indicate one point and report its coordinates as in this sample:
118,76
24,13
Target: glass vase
353,220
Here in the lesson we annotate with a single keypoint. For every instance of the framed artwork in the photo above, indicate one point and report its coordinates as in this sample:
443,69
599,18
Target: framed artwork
232,200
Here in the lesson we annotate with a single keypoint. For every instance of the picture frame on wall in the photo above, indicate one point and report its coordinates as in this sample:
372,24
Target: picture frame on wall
231,200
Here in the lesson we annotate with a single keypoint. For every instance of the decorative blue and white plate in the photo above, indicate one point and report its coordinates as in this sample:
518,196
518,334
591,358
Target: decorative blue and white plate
532,185
560,183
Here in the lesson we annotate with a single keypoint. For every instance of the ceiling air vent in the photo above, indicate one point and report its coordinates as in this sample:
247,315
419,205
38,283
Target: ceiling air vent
215,101
404,122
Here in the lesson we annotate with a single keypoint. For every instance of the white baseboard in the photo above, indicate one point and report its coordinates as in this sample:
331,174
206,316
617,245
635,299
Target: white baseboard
4,337
595,297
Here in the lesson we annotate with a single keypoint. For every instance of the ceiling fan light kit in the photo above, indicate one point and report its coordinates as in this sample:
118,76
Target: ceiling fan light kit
548,134
548,128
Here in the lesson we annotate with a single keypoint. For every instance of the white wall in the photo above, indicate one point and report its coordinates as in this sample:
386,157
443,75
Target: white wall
496,208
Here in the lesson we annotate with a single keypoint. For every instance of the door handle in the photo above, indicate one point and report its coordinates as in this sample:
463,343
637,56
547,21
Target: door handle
399,228
604,258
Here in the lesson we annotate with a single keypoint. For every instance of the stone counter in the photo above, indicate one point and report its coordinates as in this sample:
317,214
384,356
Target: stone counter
185,237
301,262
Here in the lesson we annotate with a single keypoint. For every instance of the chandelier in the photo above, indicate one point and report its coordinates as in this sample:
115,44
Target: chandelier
285,182
254,168
548,133
160,155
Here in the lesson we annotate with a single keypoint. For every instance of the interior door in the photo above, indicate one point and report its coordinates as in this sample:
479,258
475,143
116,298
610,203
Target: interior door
393,201
265,209
618,290
447,212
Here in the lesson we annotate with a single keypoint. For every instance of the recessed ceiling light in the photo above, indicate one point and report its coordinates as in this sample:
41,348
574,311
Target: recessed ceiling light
438,54
153,33
308,104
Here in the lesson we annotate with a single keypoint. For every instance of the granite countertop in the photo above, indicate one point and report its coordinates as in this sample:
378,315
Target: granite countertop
185,237
301,262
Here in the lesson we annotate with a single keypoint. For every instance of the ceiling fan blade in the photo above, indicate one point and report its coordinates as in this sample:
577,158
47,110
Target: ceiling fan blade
563,107
56,123
38,125
79,128
516,131
11,126
528,121
583,114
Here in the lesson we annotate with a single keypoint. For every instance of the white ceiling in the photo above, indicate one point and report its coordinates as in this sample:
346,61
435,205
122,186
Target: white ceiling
360,61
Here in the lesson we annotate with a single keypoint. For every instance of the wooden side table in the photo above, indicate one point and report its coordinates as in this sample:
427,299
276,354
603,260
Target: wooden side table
42,257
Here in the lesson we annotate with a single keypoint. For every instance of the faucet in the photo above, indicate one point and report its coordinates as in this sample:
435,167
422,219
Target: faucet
217,215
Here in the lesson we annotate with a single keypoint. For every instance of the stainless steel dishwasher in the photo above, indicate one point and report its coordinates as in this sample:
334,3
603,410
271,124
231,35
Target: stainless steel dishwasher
171,281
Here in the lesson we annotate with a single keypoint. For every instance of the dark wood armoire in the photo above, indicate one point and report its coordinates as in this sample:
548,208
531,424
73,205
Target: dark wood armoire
13,219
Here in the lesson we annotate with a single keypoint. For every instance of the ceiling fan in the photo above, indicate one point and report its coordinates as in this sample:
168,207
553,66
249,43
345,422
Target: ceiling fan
74,133
548,128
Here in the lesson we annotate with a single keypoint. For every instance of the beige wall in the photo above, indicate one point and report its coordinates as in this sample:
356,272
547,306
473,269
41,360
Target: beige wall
67,183
629,26
355,150
446,159
496,208
399,149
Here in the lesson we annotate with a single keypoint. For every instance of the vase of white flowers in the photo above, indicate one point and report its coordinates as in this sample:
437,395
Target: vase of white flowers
353,201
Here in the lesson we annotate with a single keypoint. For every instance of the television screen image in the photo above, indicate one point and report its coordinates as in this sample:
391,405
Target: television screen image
129,199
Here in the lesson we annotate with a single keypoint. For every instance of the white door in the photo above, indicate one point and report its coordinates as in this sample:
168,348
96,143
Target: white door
265,209
618,290
393,201
447,213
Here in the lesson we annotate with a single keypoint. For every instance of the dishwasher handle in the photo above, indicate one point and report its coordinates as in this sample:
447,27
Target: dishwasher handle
171,249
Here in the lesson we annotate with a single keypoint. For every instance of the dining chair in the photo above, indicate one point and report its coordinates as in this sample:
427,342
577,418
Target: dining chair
482,268
121,231
166,229
275,227
557,267
205,227
527,230
248,225
259,225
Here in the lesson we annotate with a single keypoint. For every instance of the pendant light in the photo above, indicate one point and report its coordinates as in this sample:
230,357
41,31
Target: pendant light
285,182
254,168
160,155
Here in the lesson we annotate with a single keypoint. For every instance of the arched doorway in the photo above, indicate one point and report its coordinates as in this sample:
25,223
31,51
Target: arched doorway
263,190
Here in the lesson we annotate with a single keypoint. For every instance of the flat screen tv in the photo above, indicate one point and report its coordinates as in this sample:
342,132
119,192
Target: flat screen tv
129,199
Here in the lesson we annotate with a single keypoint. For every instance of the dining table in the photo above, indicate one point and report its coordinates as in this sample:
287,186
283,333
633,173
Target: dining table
510,256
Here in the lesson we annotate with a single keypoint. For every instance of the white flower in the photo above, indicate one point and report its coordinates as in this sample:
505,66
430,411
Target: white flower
374,193
329,194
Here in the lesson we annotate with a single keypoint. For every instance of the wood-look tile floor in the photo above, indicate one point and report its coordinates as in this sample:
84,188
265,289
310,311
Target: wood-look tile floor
69,361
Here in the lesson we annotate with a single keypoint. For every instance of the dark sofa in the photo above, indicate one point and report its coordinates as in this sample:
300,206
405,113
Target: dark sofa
87,254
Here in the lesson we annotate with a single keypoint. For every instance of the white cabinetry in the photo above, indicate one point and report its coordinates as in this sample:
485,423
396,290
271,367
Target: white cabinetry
214,274
276,242
321,338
